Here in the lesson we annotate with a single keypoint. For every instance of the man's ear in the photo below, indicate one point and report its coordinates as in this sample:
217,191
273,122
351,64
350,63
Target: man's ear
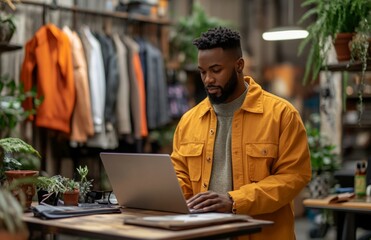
240,63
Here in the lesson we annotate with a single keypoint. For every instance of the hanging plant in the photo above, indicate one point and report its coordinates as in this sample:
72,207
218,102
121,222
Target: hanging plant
359,47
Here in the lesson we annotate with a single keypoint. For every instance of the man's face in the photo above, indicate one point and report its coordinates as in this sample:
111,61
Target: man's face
218,74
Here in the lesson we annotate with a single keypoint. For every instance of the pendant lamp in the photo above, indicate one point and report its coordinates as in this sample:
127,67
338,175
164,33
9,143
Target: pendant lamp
287,32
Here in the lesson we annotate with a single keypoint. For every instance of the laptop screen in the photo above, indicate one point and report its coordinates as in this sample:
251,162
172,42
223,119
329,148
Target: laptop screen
145,181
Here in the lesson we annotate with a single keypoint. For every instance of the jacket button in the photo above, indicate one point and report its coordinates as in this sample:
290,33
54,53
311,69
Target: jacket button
264,152
212,131
204,185
208,159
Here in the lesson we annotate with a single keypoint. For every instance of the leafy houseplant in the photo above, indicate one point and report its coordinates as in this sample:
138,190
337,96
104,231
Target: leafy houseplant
49,189
11,150
11,224
189,28
332,17
11,111
360,51
20,182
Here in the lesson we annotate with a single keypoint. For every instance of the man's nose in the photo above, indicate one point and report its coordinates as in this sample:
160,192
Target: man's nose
209,79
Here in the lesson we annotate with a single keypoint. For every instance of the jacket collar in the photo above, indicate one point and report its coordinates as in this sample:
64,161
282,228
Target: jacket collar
252,103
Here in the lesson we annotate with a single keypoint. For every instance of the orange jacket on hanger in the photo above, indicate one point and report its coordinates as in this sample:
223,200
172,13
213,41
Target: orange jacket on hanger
48,65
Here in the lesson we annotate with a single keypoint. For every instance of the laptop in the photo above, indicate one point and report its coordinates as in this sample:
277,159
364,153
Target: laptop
144,181
148,181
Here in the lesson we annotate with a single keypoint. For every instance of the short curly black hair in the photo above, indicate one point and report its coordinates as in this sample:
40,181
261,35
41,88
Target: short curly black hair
218,37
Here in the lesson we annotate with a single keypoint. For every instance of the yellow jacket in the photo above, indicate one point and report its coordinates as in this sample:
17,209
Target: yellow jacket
270,157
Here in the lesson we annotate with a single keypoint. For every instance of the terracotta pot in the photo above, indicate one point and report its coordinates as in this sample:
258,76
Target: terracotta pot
13,236
341,44
26,189
71,198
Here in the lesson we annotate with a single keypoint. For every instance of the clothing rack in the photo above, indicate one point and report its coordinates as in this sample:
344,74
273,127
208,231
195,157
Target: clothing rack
140,23
109,14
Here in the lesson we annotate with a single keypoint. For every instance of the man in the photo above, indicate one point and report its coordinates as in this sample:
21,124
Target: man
242,149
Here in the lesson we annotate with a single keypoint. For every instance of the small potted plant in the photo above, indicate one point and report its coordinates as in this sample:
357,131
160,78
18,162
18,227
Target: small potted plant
49,189
71,193
84,183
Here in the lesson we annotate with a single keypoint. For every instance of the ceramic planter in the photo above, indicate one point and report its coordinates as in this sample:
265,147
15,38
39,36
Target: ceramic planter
24,191
6,31
341,44
71,198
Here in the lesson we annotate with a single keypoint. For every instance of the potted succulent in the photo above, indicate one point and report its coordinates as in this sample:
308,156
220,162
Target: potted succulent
332,18
71,193
84,184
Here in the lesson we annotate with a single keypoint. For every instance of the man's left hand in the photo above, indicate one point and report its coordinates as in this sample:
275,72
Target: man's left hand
210,202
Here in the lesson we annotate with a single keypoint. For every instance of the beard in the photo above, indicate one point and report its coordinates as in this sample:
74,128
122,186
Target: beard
225,91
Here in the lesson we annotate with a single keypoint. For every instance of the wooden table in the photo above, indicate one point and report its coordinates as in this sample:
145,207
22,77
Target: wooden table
346,229
111,226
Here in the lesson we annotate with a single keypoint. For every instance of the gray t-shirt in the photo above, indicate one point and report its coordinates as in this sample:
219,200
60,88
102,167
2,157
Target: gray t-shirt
221,174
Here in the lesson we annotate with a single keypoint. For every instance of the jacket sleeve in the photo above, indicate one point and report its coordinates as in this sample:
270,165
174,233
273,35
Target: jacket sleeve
27,72
290,172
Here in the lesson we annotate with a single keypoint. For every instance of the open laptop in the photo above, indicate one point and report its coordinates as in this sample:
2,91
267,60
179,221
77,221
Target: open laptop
148,181
145,181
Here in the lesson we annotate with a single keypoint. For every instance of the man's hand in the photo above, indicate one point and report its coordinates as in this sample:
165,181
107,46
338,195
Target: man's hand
210,202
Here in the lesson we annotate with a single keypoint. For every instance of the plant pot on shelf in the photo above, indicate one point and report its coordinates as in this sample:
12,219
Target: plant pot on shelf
25,190
71,198
341,44
7,29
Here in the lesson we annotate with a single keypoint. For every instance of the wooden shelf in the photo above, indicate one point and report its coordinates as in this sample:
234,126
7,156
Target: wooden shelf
111,14
354,97
363,125
5,47
347,66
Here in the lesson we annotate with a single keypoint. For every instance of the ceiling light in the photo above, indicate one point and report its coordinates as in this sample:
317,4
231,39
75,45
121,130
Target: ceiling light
288,32
285,33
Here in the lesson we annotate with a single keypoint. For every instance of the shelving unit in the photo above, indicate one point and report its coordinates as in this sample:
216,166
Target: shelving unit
355,131
5,47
